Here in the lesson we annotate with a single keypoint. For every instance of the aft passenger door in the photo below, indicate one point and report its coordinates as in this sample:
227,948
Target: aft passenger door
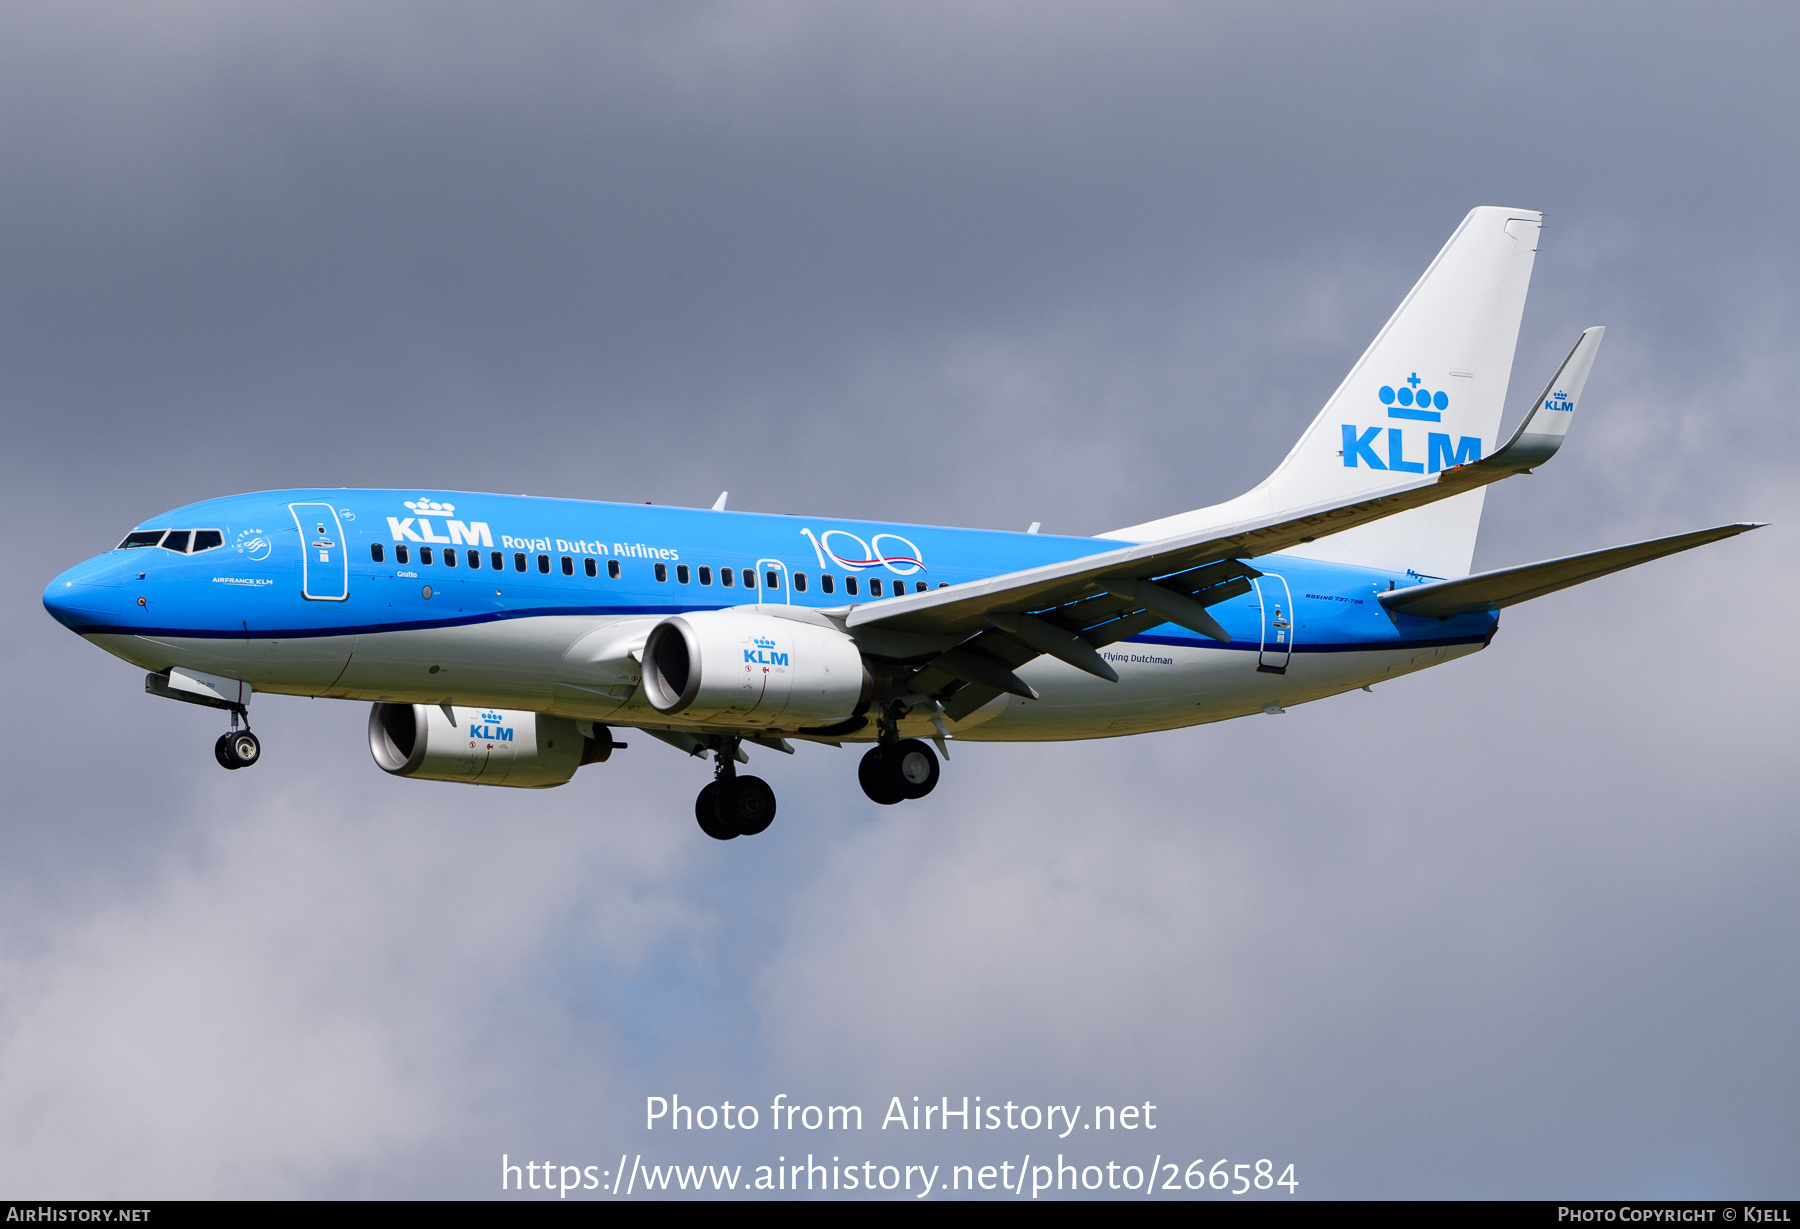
324,559
1277,624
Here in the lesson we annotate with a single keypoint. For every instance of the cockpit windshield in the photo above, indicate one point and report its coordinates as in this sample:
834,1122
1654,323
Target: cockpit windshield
181,541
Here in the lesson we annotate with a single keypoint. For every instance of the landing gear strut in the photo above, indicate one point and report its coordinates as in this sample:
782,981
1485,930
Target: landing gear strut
237,748
896,768
733,806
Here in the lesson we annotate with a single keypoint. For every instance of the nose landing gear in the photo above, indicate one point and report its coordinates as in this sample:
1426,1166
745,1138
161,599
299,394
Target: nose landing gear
733,806
237,748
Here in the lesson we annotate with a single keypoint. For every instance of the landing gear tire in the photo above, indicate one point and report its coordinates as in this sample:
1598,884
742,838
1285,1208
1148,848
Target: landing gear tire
735,806
878,778
706,810
748,804
239,749
895,773
915,767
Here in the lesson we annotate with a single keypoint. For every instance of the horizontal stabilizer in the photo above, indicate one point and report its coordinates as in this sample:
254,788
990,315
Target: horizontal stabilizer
1510,586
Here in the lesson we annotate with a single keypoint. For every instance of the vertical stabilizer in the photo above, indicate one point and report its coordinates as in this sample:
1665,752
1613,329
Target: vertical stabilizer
1426,395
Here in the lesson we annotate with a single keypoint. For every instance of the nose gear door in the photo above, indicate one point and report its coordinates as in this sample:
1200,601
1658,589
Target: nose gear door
1277,624
324,559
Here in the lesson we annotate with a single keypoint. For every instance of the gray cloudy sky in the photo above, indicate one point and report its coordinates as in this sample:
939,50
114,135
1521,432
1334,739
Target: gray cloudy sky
1522,926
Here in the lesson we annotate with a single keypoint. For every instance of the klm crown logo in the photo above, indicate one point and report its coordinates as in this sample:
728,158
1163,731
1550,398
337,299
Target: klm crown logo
428,507
492,717
1559,400
1412,401
764,654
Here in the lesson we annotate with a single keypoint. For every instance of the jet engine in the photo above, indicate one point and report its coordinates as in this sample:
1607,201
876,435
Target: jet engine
485,746
746,669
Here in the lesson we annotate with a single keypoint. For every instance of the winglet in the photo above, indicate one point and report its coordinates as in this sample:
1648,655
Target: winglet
719,503
1542,432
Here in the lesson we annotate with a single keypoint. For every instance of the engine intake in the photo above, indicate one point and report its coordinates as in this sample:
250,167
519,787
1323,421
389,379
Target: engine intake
486,746
752,670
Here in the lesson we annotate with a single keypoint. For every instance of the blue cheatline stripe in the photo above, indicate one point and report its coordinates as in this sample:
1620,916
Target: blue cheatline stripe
1355,646
302,633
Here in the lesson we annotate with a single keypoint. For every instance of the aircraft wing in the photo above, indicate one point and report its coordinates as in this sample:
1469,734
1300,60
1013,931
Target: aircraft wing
1510,586
1070,609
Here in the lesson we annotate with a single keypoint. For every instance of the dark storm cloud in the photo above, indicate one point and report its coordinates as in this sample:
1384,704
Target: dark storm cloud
1520,926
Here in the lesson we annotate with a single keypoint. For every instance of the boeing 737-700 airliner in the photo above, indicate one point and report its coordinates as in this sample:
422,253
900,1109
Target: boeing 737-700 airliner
502,640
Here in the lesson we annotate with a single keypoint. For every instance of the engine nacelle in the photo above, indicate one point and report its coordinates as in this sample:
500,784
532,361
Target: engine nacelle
486,746
747,669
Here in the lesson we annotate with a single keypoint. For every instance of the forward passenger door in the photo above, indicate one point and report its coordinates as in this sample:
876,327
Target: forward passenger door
324,558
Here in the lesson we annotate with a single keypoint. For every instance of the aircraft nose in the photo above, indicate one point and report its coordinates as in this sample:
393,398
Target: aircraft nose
84,598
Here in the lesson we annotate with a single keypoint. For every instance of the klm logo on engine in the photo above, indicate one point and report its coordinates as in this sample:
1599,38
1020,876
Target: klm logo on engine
1409,400
764,653
490,729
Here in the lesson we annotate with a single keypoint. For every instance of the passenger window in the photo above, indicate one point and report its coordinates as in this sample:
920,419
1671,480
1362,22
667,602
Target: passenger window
850,585
401,553
518,562
207,539
375,552
497,561
662,573
749,579
799,582
177,541
681,573
874,586
613,569
943,584
705,575
591,567
568,566
920,586
827,583
143,537
727,577
475,559
450,557
771,580
544,565
424,554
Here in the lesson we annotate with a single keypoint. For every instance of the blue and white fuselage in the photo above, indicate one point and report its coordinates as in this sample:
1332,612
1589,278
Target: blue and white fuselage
390,617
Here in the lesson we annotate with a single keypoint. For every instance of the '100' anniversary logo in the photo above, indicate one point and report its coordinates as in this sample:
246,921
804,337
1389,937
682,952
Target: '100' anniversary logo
857,554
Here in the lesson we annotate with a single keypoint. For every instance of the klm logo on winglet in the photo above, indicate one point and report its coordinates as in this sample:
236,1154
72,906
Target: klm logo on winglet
1411,401
764,653
1559,400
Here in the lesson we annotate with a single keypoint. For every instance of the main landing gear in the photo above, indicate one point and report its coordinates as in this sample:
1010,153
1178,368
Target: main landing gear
238,748
896,768
731,805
